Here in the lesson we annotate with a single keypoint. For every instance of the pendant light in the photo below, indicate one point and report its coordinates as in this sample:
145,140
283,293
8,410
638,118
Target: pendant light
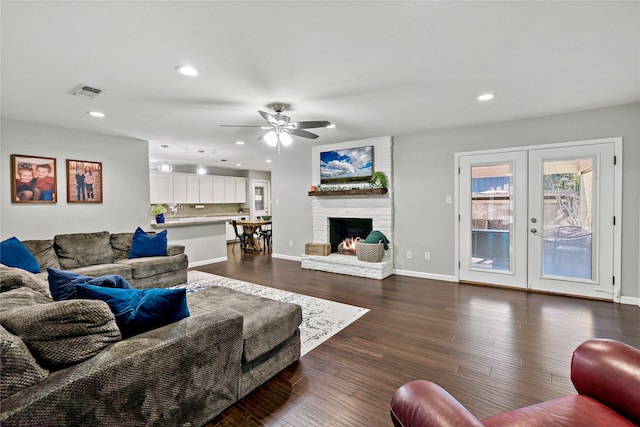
165,166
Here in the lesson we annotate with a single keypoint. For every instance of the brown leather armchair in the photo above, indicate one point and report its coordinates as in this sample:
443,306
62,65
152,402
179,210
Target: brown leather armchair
605,373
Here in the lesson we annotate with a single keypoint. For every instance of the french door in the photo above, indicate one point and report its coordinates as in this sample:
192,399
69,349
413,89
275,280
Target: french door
541,218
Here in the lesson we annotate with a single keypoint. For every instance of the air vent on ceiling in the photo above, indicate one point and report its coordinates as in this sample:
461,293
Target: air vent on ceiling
85,91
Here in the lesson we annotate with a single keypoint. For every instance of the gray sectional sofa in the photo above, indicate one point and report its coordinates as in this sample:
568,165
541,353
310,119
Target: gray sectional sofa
100,253
65,363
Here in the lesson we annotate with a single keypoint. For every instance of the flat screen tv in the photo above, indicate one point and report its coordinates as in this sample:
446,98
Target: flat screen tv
346,165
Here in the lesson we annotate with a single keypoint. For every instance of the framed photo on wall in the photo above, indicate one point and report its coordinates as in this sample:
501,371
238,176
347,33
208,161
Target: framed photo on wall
33,179
84,181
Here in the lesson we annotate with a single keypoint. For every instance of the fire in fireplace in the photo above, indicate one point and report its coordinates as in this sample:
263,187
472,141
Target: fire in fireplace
344,232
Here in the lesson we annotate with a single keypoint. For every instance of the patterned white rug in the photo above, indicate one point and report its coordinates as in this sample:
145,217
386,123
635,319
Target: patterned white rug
321,319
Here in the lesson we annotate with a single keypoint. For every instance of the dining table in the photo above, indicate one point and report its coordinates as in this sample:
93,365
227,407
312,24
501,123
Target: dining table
249,227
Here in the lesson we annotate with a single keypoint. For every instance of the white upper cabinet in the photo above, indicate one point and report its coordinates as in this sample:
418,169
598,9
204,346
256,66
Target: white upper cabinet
241,190
193,189
206,189
218,189
190,188
161,188
179,189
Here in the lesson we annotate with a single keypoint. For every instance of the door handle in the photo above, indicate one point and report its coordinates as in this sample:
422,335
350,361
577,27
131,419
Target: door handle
534,231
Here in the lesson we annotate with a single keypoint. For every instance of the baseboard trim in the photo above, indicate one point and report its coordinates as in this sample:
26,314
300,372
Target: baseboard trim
422,275
630,300
207,261
287,257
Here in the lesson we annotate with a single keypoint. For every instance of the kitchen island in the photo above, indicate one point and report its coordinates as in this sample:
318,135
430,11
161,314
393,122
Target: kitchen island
204,238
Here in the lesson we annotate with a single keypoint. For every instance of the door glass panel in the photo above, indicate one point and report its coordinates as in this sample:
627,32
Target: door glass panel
568,218
491,217
258,198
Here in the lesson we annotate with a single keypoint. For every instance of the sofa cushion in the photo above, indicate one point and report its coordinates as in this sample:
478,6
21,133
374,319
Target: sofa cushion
267,322
63,333
44,252
121,244
19,367
22,297
62,284
14,278
140,310
82,249
13,253
152,266
147,245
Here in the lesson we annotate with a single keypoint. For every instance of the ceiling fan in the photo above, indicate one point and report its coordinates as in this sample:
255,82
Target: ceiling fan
280,127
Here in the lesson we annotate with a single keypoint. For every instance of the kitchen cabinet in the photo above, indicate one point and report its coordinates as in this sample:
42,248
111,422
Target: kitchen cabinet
190,188
218,190
206,189
161,188
193,189
235,190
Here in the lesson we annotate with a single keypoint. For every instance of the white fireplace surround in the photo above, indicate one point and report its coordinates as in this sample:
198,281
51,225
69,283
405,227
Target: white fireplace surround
377,207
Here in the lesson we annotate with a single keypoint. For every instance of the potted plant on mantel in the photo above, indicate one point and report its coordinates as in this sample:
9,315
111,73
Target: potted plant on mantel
378,180
158,211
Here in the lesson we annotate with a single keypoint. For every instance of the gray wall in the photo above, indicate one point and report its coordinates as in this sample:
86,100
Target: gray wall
291,206
126,182
424,176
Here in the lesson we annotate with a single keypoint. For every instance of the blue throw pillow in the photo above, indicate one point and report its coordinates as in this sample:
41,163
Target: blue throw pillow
140,310
13,253
62,284
144,245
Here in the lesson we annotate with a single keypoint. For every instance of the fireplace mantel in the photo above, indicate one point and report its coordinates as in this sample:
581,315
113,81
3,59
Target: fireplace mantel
351,192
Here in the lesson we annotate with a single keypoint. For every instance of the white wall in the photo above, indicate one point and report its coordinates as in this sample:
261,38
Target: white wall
423,176
126,182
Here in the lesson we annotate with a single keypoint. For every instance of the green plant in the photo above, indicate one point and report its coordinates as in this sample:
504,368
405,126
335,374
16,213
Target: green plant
378,180
158,209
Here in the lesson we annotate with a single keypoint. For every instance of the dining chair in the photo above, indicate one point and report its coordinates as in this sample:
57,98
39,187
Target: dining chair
266,238
239,236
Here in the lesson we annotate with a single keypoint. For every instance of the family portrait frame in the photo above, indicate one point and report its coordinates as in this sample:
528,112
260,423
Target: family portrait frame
84,181
33,179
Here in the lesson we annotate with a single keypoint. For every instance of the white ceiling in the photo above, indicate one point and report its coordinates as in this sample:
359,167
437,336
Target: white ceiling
373,68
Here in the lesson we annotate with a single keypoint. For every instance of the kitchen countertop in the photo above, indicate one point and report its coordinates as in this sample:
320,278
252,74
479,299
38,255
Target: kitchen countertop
196,220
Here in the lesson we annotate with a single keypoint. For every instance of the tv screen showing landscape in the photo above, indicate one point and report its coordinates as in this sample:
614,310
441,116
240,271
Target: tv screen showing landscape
347,165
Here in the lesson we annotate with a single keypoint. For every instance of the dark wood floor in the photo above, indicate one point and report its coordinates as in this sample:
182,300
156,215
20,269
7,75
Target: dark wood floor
493,349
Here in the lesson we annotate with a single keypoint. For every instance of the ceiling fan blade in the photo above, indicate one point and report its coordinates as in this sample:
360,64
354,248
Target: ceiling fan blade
309,125
302,133
239,126
268,117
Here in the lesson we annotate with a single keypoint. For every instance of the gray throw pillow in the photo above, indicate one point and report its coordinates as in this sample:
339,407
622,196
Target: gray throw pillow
21,297
19,368
14,278
63,333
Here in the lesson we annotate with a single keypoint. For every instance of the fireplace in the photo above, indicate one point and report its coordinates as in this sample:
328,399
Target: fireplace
347,230
378,210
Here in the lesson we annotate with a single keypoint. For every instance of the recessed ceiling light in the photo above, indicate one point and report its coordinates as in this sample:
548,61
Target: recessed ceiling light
486,96
238,164
268,160
331,126
239,142
95,114
187,70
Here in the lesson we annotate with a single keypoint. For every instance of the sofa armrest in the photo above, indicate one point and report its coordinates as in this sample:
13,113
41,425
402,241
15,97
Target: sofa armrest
175,250
609,372
185,372
423,403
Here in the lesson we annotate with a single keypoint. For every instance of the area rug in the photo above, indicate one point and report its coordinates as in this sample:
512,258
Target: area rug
321,319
